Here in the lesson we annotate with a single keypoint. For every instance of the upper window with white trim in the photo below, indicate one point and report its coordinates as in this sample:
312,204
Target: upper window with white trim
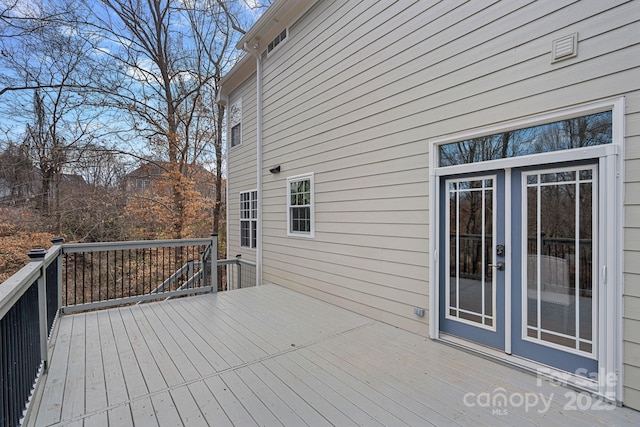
579,132
235,123
300,212
248,218
280,38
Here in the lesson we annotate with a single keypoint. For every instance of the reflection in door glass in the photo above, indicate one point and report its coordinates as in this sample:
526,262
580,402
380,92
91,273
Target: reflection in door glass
578,132
560,217
470,283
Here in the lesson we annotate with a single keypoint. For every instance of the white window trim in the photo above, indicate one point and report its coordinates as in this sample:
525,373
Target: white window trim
494,284
249,220
275,49
312,233
232,123
611,166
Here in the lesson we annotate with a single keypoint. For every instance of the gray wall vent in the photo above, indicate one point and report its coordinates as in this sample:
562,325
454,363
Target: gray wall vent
564,48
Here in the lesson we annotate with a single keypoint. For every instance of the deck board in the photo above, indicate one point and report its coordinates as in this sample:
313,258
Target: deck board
307,393
152,335
208,405
113,375
74,391
50,406
187,407
143,413
119,416
97,420
210,342
230,402
271,356
293,400
397,394
95,389
131,371
165,408
269,398
143,356
249,400
175,354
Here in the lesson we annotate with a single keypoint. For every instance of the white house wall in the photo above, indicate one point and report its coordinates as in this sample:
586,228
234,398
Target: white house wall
241,166
357,91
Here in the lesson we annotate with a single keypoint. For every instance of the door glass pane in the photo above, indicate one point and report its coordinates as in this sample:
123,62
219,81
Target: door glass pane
533,237
585,259
557,231
470,235
559,269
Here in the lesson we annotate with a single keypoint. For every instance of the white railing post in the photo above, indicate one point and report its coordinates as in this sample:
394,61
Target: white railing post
214,262
239,275
38,255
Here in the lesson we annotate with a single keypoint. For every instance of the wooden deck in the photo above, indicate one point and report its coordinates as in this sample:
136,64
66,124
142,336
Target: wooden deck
270,356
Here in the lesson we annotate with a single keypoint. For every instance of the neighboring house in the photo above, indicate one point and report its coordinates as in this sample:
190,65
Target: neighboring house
467,171
29,185
142,178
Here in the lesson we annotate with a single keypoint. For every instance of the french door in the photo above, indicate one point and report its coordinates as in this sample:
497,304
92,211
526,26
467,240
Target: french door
519,265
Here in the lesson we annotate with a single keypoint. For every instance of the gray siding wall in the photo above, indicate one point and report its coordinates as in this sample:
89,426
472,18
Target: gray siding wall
359,89
241,166
631,298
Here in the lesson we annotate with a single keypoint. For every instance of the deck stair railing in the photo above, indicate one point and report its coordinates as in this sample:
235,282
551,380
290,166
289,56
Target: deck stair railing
238,272
73,277
108,274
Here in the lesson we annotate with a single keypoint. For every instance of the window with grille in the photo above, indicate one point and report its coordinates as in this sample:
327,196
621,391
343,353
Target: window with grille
300,211
248,218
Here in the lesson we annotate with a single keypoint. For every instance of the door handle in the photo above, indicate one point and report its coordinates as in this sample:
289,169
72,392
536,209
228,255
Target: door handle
498,266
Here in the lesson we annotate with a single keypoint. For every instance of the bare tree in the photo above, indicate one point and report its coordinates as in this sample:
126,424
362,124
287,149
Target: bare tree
164,60
212,28
47,71
142,74
22,21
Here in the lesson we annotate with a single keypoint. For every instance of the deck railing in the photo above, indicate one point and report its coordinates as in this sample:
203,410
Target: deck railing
74,277
28,308
98,275
237,272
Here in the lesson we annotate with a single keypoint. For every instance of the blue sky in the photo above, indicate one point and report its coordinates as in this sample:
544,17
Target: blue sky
12,125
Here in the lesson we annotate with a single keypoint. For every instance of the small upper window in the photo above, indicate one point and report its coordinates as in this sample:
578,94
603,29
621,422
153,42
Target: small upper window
235,123
279,39
300,213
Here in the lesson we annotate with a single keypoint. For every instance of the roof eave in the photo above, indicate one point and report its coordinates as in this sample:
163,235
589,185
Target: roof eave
280,15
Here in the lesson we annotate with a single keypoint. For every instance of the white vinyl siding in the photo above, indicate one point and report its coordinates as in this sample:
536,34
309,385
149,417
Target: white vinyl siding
241,167
631,297
359,90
